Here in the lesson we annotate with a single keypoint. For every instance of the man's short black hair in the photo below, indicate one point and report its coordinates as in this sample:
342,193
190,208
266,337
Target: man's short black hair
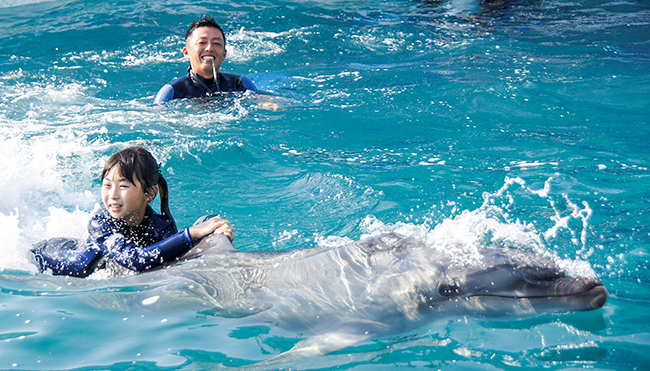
204,22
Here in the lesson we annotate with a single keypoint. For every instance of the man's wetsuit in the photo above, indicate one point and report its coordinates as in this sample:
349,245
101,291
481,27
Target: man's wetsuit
193,86
154,242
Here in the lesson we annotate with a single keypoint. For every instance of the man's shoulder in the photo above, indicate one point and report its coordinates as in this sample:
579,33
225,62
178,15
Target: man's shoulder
229,76
180,84
235,82
168,91
177,88
181,80
185,87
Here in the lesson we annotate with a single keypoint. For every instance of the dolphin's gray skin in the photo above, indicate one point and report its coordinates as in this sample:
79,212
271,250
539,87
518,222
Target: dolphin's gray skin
339,296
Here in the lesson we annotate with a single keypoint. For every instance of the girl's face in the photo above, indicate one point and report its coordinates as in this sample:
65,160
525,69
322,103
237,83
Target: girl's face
123,199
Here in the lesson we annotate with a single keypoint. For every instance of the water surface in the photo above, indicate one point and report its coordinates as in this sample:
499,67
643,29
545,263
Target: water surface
522,123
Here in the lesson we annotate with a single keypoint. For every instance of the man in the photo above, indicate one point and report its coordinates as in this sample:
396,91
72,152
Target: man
205,47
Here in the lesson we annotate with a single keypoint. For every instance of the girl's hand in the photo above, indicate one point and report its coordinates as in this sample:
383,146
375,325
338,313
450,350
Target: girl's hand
215,225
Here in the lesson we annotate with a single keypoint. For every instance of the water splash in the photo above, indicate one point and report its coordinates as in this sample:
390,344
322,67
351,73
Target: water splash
497,222
245,45
35,179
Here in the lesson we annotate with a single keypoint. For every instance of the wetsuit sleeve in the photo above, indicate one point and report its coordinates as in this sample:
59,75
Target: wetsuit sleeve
126,253
175,246
65,256
166,93
248,84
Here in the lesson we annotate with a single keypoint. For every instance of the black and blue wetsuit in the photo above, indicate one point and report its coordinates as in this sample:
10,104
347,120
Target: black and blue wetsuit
194,86
152,243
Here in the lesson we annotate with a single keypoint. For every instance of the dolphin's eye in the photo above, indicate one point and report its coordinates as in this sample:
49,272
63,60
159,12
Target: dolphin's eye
448,288
540,273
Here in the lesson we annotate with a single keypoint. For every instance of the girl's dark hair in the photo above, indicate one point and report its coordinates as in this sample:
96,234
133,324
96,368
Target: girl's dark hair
138,163
204,22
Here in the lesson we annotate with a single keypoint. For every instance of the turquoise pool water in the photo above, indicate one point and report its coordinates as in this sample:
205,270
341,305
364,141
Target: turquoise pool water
516,122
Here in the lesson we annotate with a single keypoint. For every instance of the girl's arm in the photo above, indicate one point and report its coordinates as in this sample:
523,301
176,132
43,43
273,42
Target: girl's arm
106,238
215,225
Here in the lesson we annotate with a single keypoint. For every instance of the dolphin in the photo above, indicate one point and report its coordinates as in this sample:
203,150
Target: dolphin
336,297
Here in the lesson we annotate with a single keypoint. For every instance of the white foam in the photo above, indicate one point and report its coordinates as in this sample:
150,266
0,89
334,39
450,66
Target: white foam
12,258
12,3
38,200
73,224
245,45
143,53
461,233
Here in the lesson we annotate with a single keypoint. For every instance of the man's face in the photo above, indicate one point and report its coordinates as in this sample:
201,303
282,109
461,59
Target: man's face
205,42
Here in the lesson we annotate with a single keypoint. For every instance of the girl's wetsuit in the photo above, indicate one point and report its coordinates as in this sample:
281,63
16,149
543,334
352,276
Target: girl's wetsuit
154,242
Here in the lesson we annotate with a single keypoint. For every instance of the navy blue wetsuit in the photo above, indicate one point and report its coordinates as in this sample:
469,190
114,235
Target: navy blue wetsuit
194,86
154,242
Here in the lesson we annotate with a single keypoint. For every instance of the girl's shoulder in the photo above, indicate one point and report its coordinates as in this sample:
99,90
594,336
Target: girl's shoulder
157,221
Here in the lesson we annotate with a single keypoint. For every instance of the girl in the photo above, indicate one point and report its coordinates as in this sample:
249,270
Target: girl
127,235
